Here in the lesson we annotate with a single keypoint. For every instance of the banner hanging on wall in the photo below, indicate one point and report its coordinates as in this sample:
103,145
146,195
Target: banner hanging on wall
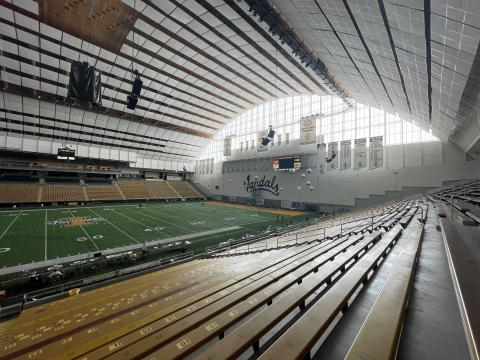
345,154
322,154
376,152
227,146
308,131
332,160
360,153
260,135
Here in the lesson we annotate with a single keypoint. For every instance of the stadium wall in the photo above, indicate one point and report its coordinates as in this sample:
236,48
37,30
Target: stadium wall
406,167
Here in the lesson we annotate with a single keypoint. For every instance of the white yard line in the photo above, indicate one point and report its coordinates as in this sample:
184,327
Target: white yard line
165,221
88,236
138,222
116,227
46,219
8,227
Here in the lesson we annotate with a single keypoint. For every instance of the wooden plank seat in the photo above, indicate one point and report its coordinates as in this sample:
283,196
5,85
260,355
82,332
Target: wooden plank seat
462,206
299,339
86,341
250,333
105,307
466,220
390,223
379,335
214,278
185,319
474,213
405,220
186,343
465,271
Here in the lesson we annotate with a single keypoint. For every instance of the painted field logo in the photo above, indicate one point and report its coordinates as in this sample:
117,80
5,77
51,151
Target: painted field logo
262,184
76,221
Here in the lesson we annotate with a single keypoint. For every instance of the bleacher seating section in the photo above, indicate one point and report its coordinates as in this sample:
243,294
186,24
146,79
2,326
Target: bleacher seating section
161,189
17,193
184,189
134,189
458,216
218,308
103,192
61,193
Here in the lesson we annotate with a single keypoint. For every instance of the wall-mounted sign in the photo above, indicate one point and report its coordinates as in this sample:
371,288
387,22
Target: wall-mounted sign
307,131
263,184
376,152
360,154
227,146
345,154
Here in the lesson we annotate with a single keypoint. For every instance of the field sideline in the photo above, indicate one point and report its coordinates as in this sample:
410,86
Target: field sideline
33,235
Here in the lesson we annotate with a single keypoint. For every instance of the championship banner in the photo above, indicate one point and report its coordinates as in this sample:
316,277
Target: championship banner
322,154
308,131
332,160
376,152
227,146
260,135
360,153
345,154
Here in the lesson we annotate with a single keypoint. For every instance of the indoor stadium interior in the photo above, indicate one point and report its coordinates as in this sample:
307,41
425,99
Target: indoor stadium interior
240,179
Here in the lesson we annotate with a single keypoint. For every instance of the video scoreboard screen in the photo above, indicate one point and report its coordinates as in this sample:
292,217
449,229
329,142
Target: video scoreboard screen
287,163
65,154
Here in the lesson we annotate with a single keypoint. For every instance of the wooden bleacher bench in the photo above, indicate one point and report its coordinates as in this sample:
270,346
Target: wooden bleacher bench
265,279
194,339
465,271
474,213
466,220
380,333
299,339
177,310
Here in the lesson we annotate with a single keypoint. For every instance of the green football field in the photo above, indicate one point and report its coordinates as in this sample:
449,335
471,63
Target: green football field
41,234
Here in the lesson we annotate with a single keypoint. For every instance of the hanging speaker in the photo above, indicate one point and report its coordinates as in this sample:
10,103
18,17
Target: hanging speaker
132,101
85,83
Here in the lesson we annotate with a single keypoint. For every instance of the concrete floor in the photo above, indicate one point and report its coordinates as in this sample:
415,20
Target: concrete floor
433,326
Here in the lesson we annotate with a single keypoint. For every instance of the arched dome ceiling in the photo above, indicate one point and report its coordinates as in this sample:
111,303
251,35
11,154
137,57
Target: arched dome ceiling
203,62
419,59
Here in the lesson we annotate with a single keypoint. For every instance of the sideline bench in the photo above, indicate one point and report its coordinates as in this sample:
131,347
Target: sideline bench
465,273
380,333
299,339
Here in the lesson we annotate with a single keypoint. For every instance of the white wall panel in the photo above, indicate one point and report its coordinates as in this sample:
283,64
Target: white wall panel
30,145
14,142
412,155
105,153
93,152
115,154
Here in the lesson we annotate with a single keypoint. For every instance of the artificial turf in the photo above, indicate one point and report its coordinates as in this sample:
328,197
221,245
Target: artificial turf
35,235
